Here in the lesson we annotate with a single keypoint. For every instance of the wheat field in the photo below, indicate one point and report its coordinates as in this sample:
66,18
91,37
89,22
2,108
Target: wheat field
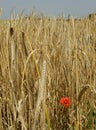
42,60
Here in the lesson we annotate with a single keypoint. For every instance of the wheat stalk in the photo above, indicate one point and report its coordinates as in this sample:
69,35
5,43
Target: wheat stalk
41,96
0,11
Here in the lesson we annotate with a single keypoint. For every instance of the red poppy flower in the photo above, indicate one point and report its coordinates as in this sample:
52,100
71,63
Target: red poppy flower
65,101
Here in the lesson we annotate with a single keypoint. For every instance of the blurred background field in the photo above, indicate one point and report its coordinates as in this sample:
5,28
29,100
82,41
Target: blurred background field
43,59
